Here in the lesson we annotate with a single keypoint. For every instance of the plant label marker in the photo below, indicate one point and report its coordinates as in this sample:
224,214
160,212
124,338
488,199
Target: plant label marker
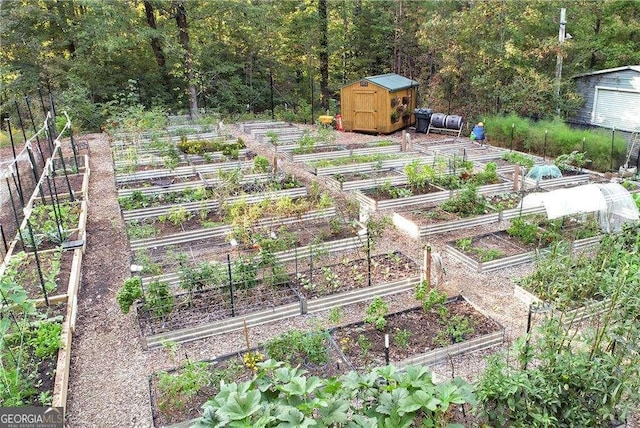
386,348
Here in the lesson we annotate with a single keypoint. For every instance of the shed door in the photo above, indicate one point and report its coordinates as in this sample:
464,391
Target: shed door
616,108
364,110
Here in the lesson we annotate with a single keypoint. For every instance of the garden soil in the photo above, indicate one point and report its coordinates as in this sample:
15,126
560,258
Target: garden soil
109,384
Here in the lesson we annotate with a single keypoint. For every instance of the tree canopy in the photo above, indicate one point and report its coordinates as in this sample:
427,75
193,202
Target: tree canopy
470,57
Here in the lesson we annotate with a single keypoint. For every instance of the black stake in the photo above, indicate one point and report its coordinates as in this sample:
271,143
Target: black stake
386,349
35,254
15,160
369,257
233,309
15,214
613,137
35,130
4,240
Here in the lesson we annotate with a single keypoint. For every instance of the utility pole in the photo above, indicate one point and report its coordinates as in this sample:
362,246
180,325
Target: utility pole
561,39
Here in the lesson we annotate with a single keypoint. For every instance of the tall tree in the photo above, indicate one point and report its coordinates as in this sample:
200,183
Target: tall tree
183,36
324,53
156,45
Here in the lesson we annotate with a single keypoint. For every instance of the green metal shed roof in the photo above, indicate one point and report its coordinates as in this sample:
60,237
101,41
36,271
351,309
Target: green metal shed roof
391,81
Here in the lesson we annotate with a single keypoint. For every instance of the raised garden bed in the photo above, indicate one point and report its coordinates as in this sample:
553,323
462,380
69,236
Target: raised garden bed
209,204
333,152
499,249
432,220
177,395
579,313
418,336
222,234
363,180
366,163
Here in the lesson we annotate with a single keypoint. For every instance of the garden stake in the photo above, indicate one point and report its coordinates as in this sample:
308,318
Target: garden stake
613,137
386,348
544,150
516,176
74,148
583,138
15,158
369,257
511,146
4,240
15,214
246,334
33,124
44,109
51,103
35,172
233,308
54,204
66,176
35,254
427,264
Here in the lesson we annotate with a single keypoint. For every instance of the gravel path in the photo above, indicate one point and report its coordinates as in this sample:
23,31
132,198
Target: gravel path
108,382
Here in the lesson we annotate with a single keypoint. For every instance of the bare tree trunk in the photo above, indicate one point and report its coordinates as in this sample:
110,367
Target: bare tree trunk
183,37
324,54
156,46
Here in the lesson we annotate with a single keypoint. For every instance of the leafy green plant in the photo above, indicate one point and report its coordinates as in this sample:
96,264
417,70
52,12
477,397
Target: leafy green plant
518,158
179,215
565,161
467,202
401,338
204,274
130,291
464,244
381,397
46,339
261,164
335,314
376,312
177,388
524,230
158,298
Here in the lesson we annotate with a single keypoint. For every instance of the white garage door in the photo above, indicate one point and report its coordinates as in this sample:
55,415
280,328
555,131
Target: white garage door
614,108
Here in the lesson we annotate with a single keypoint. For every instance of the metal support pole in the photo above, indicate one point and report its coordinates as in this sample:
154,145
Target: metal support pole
66,177
35,254
56,208
386,349
613,137
4,240
15,158
369,258
233,307
15,214
35,130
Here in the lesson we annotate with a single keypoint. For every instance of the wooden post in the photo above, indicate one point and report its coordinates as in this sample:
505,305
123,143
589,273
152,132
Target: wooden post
427,264
275,164
246,334
409,146
516,177
403,141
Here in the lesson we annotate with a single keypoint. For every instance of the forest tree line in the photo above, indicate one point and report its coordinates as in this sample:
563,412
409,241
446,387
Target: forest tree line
470,57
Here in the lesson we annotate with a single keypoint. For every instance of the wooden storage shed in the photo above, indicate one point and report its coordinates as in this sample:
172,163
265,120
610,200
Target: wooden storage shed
378,104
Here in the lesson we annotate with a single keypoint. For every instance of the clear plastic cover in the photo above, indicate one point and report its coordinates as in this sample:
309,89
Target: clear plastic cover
542,172
612,203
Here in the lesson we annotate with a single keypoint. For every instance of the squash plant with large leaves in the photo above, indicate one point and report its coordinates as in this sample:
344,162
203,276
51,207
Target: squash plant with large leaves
384,397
